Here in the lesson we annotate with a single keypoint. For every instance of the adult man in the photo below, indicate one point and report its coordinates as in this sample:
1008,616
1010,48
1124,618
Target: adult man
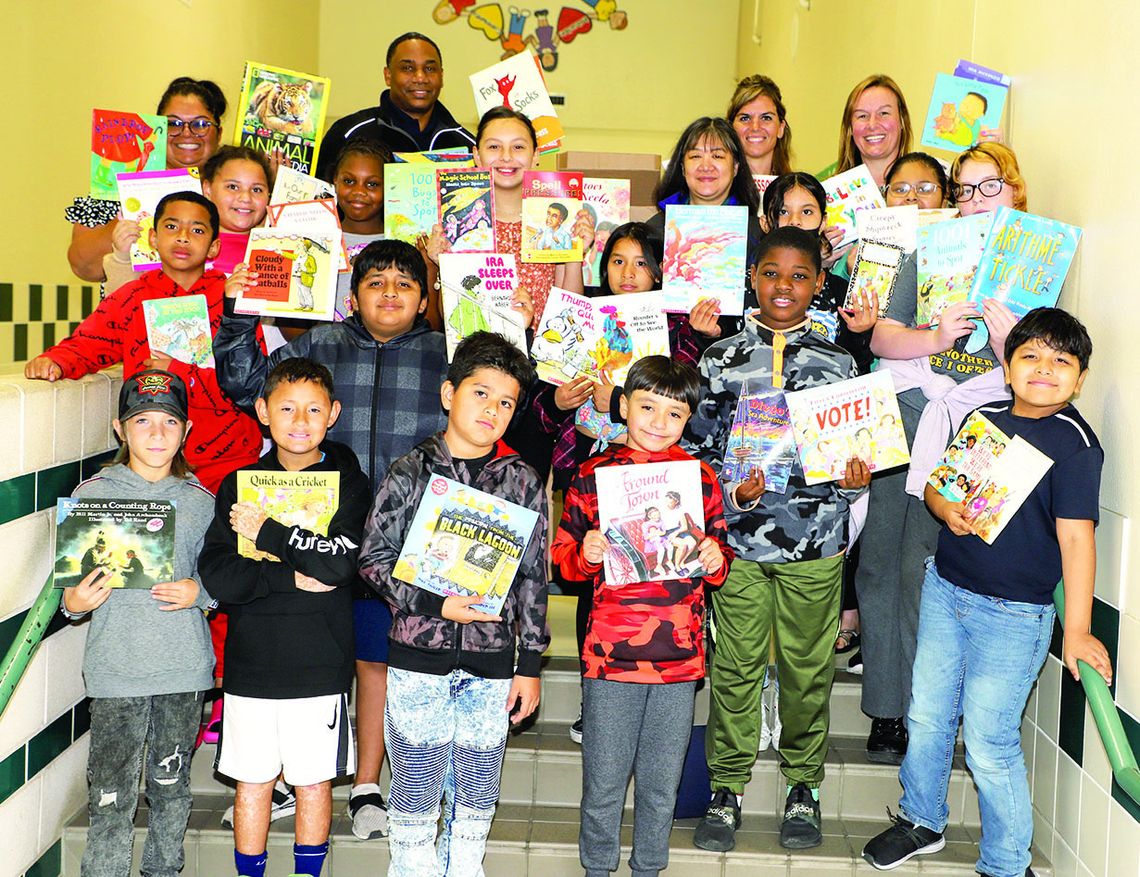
410,117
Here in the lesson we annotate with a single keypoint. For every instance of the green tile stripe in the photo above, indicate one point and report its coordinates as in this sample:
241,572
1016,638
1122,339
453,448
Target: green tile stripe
33,491
50,864
1132,732
43,748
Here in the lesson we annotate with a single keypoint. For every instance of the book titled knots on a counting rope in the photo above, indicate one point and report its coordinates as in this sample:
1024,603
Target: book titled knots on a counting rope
132,539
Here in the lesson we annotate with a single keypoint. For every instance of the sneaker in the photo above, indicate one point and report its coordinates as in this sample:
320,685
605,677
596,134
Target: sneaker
284,804
900,843
717,829
855,663
802,825
886,744
576,729
368,812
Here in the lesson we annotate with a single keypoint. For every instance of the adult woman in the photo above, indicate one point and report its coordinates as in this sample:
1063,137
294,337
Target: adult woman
875,129
757,114
194,109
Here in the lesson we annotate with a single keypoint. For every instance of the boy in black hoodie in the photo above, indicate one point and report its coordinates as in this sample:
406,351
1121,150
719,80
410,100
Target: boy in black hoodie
289,644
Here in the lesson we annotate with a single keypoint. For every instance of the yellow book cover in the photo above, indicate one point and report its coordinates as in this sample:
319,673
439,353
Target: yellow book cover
295,499
282,109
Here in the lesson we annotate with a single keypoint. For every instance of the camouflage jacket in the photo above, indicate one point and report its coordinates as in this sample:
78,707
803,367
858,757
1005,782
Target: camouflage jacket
421,639
804,523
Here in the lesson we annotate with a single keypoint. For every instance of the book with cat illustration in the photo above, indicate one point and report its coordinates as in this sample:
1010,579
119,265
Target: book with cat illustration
139,194
960,109
517,83
133,539
180,328
294,499
466,205
476,294
550,205
281,109
121,143
705,256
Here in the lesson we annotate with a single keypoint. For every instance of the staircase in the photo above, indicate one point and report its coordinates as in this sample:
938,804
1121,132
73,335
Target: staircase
535,831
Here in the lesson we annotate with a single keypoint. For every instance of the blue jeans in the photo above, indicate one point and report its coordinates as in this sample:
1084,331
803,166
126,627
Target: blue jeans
977,659
446,736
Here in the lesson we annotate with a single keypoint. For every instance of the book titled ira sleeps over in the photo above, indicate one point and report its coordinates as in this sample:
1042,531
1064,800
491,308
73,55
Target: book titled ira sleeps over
705,256
282,109
133,539
180,328
653,516
294,499
124,143
463,541
551,201
854,418
847,193
139,195
296,274
476,292
761,437
466,208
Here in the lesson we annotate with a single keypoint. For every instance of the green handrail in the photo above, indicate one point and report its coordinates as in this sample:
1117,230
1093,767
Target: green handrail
1120,755
21,651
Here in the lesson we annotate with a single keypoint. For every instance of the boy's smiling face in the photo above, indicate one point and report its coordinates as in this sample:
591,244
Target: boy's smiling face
654,422
785,281
479,411
1042,379
298,414
388,301
184,241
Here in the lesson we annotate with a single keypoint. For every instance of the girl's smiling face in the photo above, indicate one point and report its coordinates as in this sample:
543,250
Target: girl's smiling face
507,149
241,193
875,124
360,193
709,169
973,173
628,270
759,127
914,175
801,210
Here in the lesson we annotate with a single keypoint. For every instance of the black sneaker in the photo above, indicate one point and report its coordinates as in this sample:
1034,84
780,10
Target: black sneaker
900,843
717,829
576,729
801,828
886,744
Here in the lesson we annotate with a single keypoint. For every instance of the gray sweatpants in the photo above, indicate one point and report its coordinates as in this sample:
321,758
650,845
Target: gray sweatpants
638,728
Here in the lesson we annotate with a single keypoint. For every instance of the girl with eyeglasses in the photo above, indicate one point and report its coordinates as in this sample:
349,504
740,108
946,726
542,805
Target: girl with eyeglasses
916,178
194,110
986,177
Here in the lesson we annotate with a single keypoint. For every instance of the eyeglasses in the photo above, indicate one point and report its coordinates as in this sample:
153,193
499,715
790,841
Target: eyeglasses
989,188
904,189
198,127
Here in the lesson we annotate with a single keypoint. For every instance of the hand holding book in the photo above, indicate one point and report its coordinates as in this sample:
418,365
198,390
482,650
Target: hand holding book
594,546
857,475
246,519
462,609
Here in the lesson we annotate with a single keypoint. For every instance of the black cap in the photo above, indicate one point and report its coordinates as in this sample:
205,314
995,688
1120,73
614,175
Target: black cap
153,390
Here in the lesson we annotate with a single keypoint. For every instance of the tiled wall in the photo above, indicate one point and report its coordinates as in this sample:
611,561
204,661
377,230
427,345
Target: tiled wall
33,316
52,436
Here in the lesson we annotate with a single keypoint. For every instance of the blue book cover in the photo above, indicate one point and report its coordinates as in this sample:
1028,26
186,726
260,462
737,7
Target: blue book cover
706,256
948,254
761,436
959,110
970,70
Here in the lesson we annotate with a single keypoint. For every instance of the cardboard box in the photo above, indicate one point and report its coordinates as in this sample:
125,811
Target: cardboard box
643,170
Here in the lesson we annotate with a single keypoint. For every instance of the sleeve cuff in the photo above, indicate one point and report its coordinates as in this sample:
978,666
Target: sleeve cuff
530,664
272,536
427,603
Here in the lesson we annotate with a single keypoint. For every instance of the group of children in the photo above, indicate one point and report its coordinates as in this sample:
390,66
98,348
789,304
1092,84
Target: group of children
439,683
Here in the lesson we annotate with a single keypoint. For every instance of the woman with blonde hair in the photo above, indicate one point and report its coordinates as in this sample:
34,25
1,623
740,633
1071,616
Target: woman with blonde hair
757,114
875,129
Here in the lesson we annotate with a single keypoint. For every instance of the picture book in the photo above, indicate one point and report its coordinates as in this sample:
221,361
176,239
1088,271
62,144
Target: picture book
990,472
970,70
592,336
466,209
761,437
948,256
460,155
608,200
1023,265
477,290
282,109
874,273
959,110
889,225
133,539
763,181
139,194
463,541
551,201
848,193
180,328
294,499
854,418
653,516
932,215
517,83
296,274
124,143
312,218
291,186
706,254
411,203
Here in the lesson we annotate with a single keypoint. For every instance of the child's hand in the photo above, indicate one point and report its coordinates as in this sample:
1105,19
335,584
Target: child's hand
123,236
703,317
851,254
277,159
991,135
42,369
594,547
834,235
603,393
158,360
241,280
709,554
525,692
1087,648
462,609
999,320
862,318
572,394
89,594
246,519
437,243
954,517
856,475
583,229
523,305
178,595
955,322
308,583
750,489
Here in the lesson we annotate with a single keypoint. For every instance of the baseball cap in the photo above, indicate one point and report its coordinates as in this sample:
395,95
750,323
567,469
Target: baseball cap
152,390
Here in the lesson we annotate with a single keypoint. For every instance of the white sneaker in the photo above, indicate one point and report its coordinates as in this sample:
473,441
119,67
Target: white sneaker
576,729
284,804
368,811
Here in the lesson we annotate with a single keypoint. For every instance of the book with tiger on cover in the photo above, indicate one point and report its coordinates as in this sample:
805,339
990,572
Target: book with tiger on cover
281,109
293,499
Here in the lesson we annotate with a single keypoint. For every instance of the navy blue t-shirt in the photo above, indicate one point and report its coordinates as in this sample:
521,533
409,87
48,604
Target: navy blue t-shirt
1024,563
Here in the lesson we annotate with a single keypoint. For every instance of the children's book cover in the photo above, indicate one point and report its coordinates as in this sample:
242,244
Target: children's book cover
848,193
874,273
551,201
411,203
133,539
466,209
948,255
931,215
291,186
282,109
459,155
463,542
517,83
294,499
564,339
889,225
969,458
959,110
477,290
139,194
310,217
854,418
180,328
706,254
761,437
296,274
653,516
970,70
608,200
124,143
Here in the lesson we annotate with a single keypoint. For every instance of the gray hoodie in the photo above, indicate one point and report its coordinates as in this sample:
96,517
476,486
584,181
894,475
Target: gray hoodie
134,649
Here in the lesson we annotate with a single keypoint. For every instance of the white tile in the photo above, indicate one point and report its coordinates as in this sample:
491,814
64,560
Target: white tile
1095,759
1092,844
1123,843
97,414
68,426
25,713
1042,832
27,560
1049,698
38,417
65,659
11,435
1031,703
1028,741
1064,858
64,791
20,816
1127,668
1045,776
1068,811
1111,541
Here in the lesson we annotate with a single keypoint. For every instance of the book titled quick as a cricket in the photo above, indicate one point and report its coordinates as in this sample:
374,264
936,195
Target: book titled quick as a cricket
294,499
133,539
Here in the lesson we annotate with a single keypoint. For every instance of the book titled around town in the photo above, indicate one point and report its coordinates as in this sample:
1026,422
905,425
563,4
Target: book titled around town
133,539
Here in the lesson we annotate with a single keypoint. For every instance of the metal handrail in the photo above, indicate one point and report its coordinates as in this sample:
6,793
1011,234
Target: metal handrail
24,647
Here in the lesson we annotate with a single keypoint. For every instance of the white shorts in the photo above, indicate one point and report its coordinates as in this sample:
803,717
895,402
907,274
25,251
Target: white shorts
310,738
